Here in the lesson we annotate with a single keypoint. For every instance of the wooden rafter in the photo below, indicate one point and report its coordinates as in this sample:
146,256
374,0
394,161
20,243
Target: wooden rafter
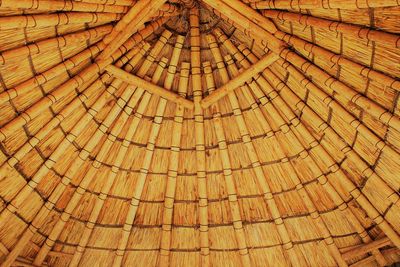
154,89
239,80
129,24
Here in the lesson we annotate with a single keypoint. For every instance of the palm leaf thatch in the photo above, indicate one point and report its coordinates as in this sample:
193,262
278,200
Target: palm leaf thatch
199,133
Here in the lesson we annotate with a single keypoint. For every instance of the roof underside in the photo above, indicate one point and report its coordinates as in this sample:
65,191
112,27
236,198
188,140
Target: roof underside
199,133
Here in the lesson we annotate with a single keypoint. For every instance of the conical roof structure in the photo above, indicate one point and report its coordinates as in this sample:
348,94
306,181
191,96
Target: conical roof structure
199,133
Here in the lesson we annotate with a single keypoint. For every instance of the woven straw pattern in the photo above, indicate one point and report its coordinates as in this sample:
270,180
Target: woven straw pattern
199,133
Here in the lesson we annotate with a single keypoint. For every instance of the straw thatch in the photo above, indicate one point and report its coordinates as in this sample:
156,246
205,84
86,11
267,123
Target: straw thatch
199,133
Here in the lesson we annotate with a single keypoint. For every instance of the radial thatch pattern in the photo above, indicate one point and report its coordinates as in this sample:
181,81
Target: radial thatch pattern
199,133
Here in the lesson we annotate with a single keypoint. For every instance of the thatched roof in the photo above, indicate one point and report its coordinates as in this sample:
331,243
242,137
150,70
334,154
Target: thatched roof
199,133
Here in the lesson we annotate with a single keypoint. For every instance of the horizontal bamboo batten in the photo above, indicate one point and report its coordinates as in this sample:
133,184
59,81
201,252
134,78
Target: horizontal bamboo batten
325,4
293,163
154,89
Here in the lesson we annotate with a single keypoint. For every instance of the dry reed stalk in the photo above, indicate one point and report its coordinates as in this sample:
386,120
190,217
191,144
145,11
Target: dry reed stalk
279,102
64,113
227,167
299,186
75,82
42,78
245,63
250,149
165,244
231,85
195,59
83,185
50,162
154,89
326,157
340,60
46,20
122,105
56,5
134,203
349,118
369,106
63,41
365,103
105,189
121,154
323,4
355,31
129,24
40,219
102,154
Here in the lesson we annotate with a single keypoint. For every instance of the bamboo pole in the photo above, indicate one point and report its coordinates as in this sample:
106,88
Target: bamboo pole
41,217
239,80
195,58
287,243
355,31
322,4
165,244
326,157
129,24
57,5
155,128
226,165
152,88
75,82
